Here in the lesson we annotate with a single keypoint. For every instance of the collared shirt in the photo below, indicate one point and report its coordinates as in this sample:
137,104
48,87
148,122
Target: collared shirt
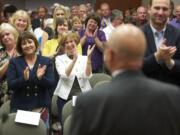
175,23
158,36
117,72
105,22
108,30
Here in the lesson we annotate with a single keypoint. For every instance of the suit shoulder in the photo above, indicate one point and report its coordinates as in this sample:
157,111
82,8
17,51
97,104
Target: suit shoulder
96,94
145,27
163,87
173,29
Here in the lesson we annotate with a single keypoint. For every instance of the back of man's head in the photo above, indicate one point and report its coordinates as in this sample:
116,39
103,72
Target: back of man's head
116,14
128,44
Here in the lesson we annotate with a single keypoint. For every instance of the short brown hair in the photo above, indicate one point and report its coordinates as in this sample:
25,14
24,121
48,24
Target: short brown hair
60,21
24,36
94,17
150,2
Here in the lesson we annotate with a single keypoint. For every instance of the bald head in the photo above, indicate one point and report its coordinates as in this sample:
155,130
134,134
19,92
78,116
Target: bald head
128,40
128,45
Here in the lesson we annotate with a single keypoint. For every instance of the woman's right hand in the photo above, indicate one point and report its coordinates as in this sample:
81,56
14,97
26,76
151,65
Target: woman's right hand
75,55
26,73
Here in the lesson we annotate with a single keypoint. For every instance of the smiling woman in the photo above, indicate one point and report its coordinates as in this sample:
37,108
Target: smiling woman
73,69
30,76
21,21
93,35
8,38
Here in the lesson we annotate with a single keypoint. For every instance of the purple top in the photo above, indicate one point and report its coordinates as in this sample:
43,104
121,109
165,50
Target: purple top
97,57
175,23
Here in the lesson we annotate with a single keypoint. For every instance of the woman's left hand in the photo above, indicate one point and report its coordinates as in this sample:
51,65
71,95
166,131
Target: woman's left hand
90,51
41,71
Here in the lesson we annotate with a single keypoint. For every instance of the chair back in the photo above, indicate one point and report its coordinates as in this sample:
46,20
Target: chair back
97,77
67,125
54,108
101,83
66,111
5,108
10,127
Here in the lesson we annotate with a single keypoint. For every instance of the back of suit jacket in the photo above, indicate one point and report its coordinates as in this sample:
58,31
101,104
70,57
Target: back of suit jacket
129,105
159,70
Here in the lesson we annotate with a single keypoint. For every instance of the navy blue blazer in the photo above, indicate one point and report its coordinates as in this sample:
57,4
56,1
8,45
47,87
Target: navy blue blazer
159,70
32,93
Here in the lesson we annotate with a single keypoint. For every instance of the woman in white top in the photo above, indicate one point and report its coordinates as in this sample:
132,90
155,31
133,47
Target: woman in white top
73,69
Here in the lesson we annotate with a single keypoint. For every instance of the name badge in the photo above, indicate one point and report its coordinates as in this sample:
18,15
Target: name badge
74,100
28,117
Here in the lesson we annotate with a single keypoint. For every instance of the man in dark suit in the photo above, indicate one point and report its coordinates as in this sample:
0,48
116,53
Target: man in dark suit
162,58
130,104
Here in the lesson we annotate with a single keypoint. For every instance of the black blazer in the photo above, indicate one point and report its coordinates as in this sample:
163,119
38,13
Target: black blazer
156,70
129,105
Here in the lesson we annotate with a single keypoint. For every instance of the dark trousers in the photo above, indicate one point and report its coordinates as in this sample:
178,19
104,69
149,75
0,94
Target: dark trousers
60,103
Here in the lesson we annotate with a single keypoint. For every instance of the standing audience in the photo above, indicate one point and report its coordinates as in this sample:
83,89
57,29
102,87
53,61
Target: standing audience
131,104
176,21
141,16
105,14
116,19
92,35
21,21
82,12
30,77
162,58
61,28
8,38
73,69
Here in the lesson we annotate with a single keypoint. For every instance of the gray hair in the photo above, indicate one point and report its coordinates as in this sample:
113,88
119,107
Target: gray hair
116,14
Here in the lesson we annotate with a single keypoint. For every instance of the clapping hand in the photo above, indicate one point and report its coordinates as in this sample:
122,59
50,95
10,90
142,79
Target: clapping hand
86,32
75,55
95,33
41,71
26,73
165,52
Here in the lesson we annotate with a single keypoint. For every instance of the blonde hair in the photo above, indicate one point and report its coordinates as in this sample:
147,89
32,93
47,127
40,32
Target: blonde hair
8,27
75,19
55,11
23,14
72,36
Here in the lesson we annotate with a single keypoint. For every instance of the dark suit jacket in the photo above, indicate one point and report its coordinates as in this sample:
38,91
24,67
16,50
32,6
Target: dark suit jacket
129,105
159,70
32,93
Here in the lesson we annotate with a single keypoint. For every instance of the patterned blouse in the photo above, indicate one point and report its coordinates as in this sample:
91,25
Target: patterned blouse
4,58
